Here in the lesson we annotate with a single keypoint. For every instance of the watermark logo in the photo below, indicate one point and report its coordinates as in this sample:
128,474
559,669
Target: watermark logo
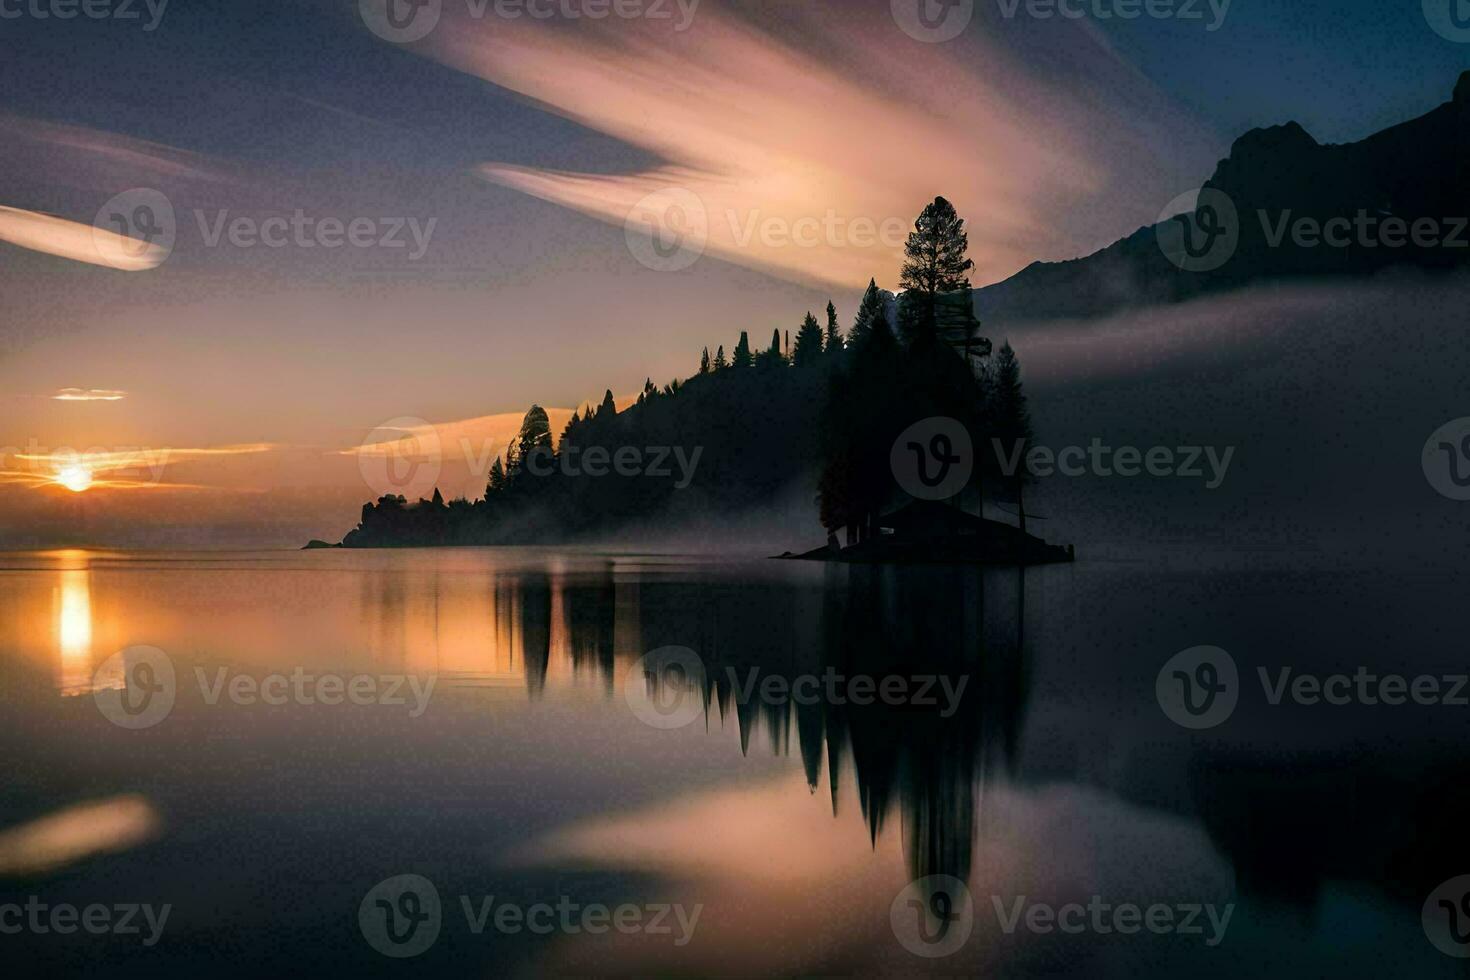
1105,10
933,917
665,687
1209,464
667,231
401,21
657,462
139,226
119,10
1199,231
403,456
135,688
1199,687
1106,918
1446,459
1450,19
401,916
933,459
933,21
1446,917
64,919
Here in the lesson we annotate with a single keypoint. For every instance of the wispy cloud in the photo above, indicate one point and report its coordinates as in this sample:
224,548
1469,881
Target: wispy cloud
78,242
852,126
89,395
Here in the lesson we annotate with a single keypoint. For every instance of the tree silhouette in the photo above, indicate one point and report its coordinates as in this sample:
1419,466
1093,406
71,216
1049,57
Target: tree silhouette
704,365
834,332
871,315
934,264
808,349
720,362
771,357
1010,418
535,435
743,358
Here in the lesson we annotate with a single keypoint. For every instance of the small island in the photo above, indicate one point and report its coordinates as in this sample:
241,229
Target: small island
826,409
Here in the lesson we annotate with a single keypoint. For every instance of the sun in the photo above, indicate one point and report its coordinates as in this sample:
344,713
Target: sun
75,478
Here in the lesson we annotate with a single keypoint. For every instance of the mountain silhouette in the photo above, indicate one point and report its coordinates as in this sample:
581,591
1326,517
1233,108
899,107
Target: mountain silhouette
1275,177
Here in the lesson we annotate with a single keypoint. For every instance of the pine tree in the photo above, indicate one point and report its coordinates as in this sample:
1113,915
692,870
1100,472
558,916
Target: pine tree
871,314
808,349
608,408
704,367
743,357
497,478
1010,418
535,435
834,332
720,362
771,357
569,434
934,264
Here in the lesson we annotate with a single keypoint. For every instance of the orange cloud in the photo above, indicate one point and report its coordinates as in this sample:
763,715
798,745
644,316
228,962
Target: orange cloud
811,163
78,242
89,395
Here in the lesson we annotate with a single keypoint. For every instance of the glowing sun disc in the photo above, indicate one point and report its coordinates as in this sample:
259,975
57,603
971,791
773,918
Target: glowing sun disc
75,478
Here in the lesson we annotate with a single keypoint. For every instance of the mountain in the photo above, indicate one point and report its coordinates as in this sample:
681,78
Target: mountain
1280,184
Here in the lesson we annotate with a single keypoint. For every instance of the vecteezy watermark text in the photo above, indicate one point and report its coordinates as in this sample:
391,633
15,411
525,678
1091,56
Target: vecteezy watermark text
406,21
138,688
665,688
1101,460
64,919
301,230
626,461
403,916
1104,918
122,10
1200,688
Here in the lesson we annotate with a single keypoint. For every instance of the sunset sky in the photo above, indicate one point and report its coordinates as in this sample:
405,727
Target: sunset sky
225,384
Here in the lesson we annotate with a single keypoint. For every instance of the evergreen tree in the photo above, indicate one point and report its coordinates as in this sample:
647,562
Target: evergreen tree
535,435
934,264
704,367
1010,418
497,478
771,357
834,332
808,349
720,362
608,408
569,434
743,357
871,316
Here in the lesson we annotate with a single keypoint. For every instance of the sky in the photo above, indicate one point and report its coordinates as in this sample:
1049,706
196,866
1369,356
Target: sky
372,231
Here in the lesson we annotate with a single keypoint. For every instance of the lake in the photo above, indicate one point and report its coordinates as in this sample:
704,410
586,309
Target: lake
487,762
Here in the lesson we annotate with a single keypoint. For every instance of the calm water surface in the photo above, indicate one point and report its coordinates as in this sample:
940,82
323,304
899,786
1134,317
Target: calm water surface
548,763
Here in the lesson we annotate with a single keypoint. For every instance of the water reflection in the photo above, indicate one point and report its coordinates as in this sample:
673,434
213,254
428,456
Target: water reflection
74,631
955,638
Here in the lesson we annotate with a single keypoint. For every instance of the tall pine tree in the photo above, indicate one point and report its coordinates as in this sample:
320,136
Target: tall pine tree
934,264
871,326
834,332
1010,419
743,358
808,349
